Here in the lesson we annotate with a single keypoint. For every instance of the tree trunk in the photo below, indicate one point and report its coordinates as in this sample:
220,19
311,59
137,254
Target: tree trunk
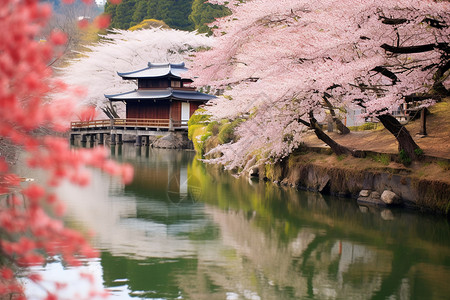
423,121
405,141
339,125
335,147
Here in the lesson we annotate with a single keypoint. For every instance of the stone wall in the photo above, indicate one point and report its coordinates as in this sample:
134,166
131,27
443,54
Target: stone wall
366,186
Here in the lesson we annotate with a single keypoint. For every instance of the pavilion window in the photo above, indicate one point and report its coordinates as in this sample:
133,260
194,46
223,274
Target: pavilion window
175,83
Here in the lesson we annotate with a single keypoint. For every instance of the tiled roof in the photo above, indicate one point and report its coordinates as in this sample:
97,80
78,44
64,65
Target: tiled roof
156,70
161,94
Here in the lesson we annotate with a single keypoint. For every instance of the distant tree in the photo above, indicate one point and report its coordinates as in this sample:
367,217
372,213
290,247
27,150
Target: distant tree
124,14
140,12
204,13
178,14
174,13
124,51
66,18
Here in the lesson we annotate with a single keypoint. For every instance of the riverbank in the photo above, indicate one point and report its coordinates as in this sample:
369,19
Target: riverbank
374,180
423,185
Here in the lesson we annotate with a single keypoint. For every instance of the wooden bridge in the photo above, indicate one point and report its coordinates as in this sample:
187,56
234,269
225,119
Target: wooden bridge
115,129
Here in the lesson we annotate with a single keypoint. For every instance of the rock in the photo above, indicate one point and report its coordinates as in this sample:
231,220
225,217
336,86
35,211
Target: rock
364,193
253,172
322,182
284,182
171,141
389,197
375,195
370,201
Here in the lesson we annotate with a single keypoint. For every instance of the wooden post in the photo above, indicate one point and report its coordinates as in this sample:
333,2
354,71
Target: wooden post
119,139
144,140
101,138
83,138
138,140
113,139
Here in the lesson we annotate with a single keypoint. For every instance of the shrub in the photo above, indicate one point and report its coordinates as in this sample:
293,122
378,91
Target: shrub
226,133
404,158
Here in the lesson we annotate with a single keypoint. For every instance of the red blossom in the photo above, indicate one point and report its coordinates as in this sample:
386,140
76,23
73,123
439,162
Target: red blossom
115,2
6,273
35,277
58,37
26,81
83,23
103,21
34,192
51,296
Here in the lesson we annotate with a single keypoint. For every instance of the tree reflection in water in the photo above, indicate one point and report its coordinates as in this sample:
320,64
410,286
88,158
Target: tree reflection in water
182,229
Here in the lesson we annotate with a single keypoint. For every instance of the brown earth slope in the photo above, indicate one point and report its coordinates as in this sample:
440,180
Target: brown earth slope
436,143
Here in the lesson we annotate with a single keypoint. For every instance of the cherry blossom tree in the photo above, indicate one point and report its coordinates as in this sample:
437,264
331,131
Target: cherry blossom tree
284,63
123,51
30,213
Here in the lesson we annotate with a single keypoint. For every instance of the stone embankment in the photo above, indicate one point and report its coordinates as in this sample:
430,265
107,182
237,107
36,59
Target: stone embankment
393,185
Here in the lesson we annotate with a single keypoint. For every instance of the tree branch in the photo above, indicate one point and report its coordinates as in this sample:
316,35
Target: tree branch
416,49
387,73
390,21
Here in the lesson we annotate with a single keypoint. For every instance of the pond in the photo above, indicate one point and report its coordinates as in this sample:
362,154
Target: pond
183,230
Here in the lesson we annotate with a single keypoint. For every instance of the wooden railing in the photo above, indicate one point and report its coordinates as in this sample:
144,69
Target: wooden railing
155,123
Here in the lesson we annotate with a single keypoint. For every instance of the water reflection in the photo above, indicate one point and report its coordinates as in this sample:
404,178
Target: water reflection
184,231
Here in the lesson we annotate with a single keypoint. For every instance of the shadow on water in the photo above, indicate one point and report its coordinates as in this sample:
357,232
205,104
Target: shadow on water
185,230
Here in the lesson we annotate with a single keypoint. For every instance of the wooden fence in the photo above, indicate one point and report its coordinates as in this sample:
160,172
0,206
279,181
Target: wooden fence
151,123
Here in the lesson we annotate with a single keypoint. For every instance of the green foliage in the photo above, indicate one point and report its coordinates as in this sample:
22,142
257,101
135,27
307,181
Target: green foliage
226,133
205,13
445,165
341,157
184,15
365,126
199,118
385,159
213,127
404,158
196,133
205,136
418,151
196,121
192,129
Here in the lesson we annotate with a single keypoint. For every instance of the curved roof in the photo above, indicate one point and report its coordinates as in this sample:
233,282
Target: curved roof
156,70
161,94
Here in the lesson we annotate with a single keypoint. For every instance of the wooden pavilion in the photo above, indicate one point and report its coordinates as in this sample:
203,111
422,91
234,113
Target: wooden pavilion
162,95
163,101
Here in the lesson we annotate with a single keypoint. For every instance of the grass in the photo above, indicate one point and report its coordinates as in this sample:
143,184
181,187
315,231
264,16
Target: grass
382,158
445,165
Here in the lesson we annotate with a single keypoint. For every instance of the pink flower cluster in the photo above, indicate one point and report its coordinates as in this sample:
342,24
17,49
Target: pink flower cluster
29,234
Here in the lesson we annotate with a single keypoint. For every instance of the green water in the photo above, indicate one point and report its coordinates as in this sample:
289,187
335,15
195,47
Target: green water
185,231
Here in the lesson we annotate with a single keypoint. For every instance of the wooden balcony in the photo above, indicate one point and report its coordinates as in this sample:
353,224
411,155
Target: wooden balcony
128,124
